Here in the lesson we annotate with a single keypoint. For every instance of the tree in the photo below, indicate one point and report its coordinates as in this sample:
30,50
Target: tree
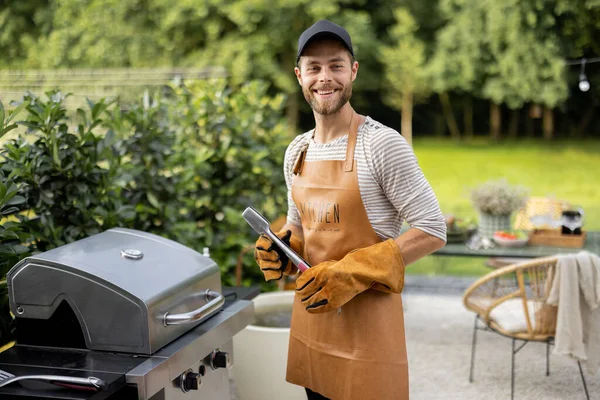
404,62
503,51
459,59
106,33
262,42
21,23
527,63
578,23
252,39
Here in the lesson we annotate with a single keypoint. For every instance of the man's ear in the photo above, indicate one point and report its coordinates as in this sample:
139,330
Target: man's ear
354,70
298,75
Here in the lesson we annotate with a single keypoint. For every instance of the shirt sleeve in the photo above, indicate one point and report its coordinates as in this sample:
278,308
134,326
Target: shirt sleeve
291,154
396,169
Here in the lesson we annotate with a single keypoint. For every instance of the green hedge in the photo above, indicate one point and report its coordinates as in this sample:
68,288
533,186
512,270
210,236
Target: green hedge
182,163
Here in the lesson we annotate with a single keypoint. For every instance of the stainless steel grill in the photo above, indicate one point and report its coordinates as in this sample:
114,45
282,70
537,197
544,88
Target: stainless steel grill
143,314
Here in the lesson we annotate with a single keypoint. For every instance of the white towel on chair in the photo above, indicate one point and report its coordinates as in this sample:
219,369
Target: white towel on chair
576,291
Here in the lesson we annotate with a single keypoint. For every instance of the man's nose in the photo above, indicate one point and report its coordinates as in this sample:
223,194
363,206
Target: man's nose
325,75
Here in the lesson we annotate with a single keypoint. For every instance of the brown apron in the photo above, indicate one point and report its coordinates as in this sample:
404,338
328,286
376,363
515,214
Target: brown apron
360,352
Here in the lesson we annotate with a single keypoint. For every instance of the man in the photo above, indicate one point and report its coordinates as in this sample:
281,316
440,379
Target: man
351,183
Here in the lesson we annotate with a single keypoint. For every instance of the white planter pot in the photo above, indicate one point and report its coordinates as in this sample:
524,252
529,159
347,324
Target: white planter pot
488,224
260,356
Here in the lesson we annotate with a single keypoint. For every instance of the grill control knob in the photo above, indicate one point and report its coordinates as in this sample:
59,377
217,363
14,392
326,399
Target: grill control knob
190,381
219,359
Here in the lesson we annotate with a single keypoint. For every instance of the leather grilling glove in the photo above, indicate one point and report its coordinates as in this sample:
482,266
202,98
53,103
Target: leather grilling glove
331,284
272,261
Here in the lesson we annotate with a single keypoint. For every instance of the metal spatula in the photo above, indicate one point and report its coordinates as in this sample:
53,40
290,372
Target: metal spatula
6,378
262,226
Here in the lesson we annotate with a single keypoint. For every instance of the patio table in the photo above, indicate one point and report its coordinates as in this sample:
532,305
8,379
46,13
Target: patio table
592,244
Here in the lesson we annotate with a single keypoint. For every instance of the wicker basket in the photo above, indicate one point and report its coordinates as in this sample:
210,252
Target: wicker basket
554,238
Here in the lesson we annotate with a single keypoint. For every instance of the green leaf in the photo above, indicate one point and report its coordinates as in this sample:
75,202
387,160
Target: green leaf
9,210
16,201
82,117
153,200
8,235
126,212
4,131
109,138
17,110
98,109
55,156
95,124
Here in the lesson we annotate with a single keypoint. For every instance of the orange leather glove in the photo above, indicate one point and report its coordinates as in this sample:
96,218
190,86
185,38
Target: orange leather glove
331,284
272,261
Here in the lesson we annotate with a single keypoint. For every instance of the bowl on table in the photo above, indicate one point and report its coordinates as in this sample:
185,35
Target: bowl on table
459,235
459,230
510,239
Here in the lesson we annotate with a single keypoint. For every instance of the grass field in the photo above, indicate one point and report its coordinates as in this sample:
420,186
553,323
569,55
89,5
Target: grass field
568,170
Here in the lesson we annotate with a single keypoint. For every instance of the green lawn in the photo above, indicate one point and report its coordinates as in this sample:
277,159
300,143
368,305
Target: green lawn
568,170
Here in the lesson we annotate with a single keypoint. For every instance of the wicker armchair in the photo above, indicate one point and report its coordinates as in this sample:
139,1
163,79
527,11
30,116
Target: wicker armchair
511,301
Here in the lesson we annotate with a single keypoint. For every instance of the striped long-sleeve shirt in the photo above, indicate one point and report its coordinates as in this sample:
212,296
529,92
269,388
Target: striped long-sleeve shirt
392,186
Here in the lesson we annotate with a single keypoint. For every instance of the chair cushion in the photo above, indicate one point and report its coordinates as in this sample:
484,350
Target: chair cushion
510,315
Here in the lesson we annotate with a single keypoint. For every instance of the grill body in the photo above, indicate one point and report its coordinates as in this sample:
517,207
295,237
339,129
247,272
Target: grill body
145,314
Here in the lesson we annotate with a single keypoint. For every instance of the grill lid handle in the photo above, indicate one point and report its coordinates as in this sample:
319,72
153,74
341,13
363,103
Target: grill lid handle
215,302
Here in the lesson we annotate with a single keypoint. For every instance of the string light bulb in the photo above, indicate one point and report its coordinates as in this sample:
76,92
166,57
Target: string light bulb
584,84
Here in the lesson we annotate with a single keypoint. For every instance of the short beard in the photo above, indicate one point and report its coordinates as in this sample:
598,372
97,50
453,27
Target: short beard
327,108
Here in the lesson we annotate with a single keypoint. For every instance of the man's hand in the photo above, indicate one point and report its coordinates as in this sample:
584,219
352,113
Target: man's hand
331,284
272,261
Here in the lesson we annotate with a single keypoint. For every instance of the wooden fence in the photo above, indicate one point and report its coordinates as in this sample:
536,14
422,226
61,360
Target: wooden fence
128,83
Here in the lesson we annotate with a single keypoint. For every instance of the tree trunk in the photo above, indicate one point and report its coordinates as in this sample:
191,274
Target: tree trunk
513,127
440,125
585,121
292,112
495,121
530,126
468,117
449,115
548,123
407,112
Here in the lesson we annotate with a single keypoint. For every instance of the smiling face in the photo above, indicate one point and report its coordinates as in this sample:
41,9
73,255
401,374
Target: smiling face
326,72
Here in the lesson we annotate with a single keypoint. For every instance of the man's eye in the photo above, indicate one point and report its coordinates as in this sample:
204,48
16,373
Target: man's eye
312,68
338,66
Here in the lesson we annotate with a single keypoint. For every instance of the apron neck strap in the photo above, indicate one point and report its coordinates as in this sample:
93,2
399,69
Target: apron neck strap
352,135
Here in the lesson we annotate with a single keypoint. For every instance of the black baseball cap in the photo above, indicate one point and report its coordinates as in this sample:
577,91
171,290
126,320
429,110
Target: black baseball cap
324,28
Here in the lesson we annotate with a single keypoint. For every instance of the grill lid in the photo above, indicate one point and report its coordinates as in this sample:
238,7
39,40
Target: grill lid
123,287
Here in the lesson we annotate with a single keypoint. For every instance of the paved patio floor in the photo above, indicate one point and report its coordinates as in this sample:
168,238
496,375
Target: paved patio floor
438,334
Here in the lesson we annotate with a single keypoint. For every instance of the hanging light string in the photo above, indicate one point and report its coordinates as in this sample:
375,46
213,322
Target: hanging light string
584,84
583,61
